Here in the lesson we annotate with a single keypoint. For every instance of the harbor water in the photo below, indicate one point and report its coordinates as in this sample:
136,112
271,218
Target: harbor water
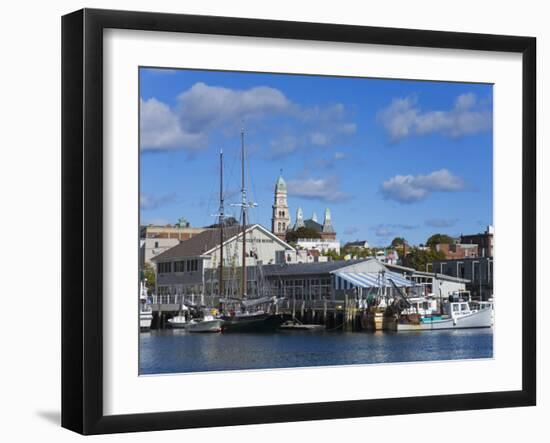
176,351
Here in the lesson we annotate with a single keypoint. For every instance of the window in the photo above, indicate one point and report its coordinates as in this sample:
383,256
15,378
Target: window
192,265
164,267
156,244
179,266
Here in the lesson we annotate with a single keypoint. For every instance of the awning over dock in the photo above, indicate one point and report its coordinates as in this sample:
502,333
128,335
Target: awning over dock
350,280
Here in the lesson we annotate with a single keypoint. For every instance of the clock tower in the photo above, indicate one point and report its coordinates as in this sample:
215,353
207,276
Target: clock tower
280,221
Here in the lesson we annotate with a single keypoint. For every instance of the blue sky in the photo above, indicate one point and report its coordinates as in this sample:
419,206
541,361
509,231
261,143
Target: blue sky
388,157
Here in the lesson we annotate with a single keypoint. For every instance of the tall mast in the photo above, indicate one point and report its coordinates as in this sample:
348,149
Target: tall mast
221,221
243,215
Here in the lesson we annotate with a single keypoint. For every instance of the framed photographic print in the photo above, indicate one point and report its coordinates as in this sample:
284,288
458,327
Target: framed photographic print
269,221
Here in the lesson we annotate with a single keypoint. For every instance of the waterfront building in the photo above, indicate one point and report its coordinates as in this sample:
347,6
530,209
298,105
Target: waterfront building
436,283
332,280
322,280
151,247
484,241
155,239
318,244
182,269
457,250
477,270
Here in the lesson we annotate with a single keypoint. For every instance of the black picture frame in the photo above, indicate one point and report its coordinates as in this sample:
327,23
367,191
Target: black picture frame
82,218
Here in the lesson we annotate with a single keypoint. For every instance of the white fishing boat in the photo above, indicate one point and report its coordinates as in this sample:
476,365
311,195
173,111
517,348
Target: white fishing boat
456,314
145,311
180,320
479,305
208,323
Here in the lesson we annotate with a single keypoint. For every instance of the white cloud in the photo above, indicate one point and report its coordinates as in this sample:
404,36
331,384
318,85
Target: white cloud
160,129
441,222
318,139
410,188
317,127
383,231
351,230
392,229
403,118
284,145
148,201
203,107
325,189
200,109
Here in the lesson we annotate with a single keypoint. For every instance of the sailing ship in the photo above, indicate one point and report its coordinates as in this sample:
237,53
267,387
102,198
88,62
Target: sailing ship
247,317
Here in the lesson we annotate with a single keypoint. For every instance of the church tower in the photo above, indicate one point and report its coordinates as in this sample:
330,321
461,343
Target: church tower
280,221
328,231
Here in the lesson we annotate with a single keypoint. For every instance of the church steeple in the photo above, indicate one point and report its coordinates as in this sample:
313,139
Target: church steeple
280,221
327,223
299,219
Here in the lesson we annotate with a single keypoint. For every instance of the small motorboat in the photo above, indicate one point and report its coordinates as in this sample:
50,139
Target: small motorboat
145,311
208,323
180,320
295,325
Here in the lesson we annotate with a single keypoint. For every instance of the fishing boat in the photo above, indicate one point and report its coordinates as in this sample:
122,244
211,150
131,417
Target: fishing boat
208,323
145,311
180,320
455,313
248,317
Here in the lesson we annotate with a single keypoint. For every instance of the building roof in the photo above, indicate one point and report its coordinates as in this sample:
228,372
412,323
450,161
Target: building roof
206,241
359,243
199,244
371,279
306,268
427,274
309,223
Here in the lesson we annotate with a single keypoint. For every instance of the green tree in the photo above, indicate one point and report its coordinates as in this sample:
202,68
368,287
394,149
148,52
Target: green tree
293,236
333,255
419,258
437,239
149,274
398,241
